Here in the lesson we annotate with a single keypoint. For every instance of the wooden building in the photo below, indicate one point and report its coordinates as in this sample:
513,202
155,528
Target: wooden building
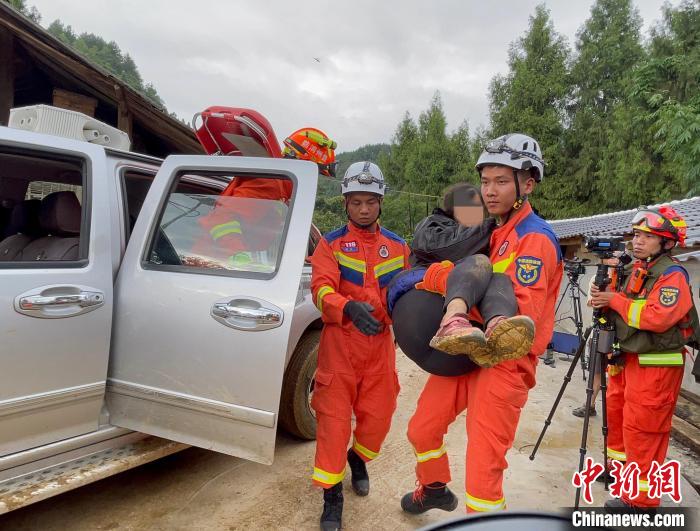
35,68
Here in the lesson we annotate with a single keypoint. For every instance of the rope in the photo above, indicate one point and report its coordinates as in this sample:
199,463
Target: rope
390,190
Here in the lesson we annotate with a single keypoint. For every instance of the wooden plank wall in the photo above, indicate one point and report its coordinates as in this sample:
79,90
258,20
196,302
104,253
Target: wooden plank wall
7,75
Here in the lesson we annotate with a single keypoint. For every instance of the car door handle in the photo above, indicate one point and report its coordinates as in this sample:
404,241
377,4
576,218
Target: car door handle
55,302
261,316
83,299
247,313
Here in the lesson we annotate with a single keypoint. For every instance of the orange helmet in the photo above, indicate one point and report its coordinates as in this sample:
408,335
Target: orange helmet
314,145
663,221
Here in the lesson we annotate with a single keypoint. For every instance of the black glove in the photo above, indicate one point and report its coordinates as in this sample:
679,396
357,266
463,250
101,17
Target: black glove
360,313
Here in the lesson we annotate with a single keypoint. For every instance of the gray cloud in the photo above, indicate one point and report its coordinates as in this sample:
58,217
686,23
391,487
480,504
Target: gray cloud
378,59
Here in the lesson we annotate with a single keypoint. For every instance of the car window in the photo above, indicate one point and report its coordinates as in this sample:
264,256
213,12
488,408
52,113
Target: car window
135,185
238,231
314,237
43,210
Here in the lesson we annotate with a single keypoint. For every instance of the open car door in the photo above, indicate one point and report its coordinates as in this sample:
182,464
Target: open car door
204,302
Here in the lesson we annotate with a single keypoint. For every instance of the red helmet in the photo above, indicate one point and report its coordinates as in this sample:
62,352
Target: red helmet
314,145
663,221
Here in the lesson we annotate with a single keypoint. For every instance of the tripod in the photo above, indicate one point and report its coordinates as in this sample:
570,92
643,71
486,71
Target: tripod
575,291
602,338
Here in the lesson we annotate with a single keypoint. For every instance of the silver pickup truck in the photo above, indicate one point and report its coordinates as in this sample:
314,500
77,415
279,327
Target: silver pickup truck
123,339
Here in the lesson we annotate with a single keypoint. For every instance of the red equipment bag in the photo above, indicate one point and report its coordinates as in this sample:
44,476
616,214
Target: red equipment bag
236,131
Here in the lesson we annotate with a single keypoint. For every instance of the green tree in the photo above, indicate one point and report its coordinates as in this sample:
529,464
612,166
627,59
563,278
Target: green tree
31,13
108,55
395,160
424,159
666,91
608,49
530,99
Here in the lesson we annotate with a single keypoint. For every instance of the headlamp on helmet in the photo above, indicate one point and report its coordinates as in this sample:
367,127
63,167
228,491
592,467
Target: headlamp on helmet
515,150
498,145
363,177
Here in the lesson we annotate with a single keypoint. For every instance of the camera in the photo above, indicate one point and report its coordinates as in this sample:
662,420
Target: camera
604,247
576,266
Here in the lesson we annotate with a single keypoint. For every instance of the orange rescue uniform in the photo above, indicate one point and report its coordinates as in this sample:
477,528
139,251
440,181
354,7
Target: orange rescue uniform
356,373
226,227
642,397
526,249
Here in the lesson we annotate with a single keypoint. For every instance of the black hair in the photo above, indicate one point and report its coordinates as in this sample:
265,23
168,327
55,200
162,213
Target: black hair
468,195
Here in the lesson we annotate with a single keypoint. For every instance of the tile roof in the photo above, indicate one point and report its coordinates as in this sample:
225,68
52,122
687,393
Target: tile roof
618,223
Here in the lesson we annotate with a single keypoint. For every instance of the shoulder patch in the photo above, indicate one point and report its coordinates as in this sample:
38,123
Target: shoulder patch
535,224
330,237
528,270
677,269
391,235
668,295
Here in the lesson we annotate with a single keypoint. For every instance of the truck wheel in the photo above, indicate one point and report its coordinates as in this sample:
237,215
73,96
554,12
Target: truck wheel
296,415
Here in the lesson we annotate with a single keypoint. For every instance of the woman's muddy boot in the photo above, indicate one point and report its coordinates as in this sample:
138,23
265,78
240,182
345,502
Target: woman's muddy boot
457,335
507,338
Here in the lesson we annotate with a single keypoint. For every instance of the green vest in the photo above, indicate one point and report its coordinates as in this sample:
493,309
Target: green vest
656,349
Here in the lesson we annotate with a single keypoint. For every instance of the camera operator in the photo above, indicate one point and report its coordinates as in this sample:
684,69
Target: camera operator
654,318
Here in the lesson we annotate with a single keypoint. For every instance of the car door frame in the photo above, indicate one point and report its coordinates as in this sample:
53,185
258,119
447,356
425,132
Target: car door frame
135,398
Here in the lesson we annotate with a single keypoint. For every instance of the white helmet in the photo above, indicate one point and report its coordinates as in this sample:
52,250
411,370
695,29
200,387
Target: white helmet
515,150
363,177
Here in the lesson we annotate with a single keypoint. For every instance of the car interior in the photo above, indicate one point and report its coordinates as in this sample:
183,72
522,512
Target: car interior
40,208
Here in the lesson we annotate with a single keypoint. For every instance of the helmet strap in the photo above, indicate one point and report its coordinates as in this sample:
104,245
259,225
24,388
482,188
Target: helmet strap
654,257
520,198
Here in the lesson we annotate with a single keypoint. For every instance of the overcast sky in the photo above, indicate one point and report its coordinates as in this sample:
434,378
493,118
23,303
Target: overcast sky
377,59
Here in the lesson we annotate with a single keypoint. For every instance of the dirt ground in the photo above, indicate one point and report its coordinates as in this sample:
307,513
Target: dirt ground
199,489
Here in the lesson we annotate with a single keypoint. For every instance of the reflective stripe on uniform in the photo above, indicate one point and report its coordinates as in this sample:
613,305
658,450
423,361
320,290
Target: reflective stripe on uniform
351,269
502,265
219,231
479,504
369,454
388,266
673,359
643,485
322,292
422,457
634,314
353,263
326,477
618,456
385,271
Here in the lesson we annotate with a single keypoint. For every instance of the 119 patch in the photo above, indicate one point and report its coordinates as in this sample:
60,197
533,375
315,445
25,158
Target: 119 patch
349,247
668,296
528,269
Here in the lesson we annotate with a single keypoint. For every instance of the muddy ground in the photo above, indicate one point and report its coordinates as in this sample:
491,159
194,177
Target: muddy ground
199,489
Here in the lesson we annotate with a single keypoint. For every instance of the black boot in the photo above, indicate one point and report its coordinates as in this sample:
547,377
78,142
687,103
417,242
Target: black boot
426,497
360,479
332,508
601,478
